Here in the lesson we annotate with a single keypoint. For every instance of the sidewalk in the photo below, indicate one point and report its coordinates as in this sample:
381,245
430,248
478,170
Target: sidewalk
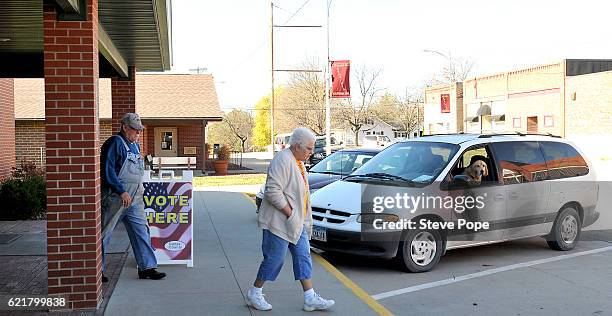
251,188
227,254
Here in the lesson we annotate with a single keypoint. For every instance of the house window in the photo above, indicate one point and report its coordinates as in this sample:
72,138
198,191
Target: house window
516,122
549,121
367,133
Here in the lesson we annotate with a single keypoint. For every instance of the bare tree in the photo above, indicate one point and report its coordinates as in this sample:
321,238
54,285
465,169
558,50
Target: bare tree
457,70
355,114
403,113
303,98
241,124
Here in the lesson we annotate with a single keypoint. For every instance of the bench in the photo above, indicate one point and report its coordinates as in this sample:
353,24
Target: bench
165,163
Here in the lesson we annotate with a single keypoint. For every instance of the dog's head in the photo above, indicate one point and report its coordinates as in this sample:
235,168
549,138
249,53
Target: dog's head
478,169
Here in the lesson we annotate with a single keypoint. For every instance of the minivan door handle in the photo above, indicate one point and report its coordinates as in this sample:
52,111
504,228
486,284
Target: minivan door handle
514,195
499,197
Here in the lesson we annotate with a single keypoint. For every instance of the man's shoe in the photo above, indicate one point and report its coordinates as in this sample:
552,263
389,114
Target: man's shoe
151,274
104,278
317,303
257,301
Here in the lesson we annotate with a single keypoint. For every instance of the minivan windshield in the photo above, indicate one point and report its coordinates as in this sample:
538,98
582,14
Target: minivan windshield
413,161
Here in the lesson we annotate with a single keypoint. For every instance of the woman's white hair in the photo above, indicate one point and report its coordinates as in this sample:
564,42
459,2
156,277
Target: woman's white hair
301,136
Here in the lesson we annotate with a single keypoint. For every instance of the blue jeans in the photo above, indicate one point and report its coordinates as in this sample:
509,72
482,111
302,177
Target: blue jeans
274,251
137,228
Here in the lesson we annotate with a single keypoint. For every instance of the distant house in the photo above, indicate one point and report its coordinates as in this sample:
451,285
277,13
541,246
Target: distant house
373,126
175,109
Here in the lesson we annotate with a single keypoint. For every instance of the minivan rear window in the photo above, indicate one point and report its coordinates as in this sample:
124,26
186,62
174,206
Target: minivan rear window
563,161
520,162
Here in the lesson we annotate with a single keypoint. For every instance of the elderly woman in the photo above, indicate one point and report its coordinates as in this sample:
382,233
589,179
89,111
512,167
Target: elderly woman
286,219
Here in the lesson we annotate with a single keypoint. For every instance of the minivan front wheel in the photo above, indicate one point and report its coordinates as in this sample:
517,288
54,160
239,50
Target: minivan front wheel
420,250
566,230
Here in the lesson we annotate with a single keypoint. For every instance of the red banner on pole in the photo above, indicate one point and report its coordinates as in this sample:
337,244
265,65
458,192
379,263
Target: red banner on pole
445,103
341,87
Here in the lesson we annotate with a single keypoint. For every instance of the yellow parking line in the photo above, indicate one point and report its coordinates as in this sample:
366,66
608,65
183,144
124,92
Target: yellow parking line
250,198
359,292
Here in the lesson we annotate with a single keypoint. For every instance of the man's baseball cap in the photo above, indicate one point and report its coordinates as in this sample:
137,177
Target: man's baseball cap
132,120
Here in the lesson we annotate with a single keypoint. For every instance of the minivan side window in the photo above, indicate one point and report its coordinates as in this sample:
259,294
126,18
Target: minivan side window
563,161
520,162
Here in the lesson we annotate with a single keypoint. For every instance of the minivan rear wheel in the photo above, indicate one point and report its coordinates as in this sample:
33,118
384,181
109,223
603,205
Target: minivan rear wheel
566,230
420,250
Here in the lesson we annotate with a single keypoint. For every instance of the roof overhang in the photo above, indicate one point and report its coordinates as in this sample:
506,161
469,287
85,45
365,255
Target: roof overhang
131,33
179,121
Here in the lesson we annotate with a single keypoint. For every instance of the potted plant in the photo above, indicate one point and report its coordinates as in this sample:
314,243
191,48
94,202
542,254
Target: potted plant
220,163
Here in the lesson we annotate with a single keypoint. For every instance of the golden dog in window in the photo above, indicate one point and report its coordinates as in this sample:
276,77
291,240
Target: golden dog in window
476,171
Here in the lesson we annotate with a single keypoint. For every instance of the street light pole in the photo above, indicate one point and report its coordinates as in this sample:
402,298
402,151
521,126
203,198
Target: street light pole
451,71
327,106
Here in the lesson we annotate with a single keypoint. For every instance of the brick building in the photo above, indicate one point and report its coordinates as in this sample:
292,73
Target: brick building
176,106
71,44
443,109
571,98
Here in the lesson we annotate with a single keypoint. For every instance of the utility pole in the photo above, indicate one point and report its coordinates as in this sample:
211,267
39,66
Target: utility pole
327,77
272,70
272,142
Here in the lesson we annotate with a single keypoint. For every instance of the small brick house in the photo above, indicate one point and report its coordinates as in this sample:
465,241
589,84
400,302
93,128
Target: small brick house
175,109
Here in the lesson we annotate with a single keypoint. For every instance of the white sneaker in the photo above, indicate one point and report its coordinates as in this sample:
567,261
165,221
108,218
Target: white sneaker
317,303
258,301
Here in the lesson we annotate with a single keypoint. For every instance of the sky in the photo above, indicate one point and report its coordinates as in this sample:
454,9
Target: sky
231,38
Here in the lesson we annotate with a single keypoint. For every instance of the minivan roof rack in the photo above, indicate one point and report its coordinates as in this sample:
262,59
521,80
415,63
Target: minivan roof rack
517,134
458,133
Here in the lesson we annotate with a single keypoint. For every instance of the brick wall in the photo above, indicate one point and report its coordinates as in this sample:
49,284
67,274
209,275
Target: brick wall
535,91
30,141
71,71
123,96
191,136
588,101
434,121
7,126
106,130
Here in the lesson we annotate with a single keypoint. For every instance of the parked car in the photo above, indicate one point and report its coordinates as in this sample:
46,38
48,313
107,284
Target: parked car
319,152
337,165
529,185
376,141
332,168
281,141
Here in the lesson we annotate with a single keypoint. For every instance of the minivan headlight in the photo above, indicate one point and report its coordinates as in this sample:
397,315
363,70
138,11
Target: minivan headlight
369,218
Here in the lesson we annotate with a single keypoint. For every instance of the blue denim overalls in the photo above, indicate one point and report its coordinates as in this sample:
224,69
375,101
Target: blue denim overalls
131,176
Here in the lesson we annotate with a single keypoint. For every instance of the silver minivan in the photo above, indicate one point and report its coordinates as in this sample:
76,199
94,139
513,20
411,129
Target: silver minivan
420,197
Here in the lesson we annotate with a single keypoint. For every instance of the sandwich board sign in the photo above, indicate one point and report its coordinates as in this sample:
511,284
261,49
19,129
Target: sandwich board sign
168,204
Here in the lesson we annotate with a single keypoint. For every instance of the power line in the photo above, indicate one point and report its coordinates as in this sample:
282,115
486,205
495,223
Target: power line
253,52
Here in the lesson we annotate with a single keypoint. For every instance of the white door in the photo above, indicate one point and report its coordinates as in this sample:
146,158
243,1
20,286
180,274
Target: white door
166,142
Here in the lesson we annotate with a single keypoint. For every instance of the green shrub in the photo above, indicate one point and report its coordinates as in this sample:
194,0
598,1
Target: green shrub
24,195
223,153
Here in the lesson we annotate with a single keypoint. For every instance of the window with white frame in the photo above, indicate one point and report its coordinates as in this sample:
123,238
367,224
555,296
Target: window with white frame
549,121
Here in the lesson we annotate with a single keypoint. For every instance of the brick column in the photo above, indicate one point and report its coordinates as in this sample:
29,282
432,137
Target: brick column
7,126
73,157
123,91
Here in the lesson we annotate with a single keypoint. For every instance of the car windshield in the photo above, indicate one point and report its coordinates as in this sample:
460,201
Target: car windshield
341,162
420,162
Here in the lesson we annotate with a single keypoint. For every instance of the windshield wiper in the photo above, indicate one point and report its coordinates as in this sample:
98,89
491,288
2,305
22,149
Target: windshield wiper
379,175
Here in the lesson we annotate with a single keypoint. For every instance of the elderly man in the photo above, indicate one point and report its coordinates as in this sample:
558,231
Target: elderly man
122,170
286,219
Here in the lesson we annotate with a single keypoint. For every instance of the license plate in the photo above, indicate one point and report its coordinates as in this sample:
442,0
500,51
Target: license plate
319,233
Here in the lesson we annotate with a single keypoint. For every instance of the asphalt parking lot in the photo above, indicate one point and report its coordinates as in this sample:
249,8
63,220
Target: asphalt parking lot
522,277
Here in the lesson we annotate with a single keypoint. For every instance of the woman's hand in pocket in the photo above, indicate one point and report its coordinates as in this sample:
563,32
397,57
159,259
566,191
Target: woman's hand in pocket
287,211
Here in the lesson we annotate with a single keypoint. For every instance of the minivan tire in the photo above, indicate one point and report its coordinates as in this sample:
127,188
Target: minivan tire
566,230
427,250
